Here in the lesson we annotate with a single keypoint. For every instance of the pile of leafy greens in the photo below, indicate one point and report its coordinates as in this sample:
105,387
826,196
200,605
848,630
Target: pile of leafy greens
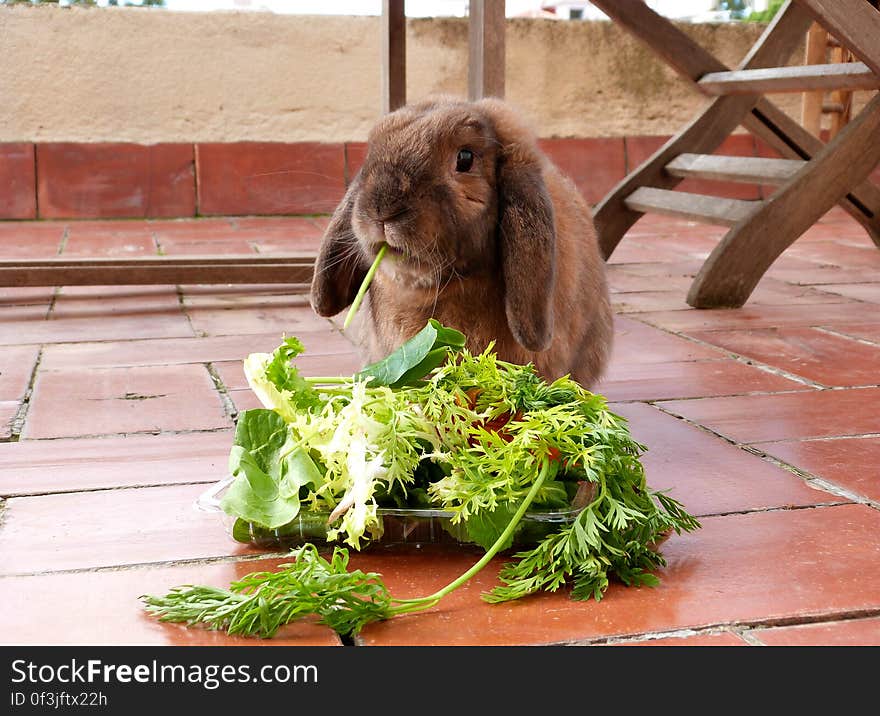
432,425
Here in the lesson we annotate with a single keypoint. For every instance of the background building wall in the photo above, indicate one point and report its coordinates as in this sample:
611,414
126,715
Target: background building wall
128,74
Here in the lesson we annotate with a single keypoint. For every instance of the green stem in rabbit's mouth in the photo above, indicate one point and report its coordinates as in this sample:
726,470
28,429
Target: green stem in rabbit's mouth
365,284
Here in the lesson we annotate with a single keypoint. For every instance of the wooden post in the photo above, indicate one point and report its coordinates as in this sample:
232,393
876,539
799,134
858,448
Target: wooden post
840,99
393,55
854,23
486,49
811,104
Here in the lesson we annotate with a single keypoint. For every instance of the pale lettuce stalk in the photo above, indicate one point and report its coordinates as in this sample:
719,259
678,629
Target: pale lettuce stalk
349,441
357,508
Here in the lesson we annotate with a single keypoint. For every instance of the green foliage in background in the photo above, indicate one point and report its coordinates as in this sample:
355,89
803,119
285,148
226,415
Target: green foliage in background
766,15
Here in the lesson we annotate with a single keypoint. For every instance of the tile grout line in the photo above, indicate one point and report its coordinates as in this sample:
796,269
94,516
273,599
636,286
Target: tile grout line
17,424
642,637
194,361
849,299
105,488
36,183
820,438
93,436
751,394
814,480
739,357
160,251
740,629
839,334
804,475
87,341
181,301
776,508
748,636
228,405
197,184
217,559
687,421
56,290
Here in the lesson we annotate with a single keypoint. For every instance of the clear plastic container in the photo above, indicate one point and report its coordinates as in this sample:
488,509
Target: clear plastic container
398,526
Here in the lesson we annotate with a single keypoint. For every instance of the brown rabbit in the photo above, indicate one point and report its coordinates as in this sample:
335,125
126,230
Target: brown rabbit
485,234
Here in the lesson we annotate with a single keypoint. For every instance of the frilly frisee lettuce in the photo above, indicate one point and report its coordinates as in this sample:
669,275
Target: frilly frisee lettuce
361,434
430,425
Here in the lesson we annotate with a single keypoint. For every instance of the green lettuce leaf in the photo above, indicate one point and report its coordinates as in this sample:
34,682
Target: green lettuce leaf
281,372
269,471
421,354
276,381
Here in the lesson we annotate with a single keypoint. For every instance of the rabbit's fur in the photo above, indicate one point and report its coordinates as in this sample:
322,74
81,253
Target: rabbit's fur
485,234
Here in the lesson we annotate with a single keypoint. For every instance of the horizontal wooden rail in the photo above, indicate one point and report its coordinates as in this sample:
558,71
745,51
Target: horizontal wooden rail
698,207
803,78
749,170
295,270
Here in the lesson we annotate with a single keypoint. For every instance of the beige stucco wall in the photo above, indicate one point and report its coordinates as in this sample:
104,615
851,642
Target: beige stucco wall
159,76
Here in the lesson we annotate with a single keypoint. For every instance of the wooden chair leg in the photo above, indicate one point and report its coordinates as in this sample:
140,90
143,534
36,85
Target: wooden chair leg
734,268
782,133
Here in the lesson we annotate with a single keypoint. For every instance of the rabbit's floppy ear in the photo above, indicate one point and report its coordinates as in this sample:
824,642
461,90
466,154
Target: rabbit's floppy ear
339,268
526,231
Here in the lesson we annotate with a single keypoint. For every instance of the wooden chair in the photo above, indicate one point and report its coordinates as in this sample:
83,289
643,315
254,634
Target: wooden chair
811,179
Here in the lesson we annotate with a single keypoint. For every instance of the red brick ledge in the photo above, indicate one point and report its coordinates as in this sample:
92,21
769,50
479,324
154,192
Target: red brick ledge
126,180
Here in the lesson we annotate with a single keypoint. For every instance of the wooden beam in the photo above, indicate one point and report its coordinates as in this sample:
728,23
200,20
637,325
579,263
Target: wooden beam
802,78
697,207
159,270
734,268
294,259
749,170
855,23
393,55
486,49
667,41
811,103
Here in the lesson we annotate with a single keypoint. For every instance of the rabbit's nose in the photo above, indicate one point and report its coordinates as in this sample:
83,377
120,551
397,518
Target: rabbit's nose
391,232
389,195
391,216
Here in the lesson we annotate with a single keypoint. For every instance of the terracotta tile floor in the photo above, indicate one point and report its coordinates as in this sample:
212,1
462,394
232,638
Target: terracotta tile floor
117,406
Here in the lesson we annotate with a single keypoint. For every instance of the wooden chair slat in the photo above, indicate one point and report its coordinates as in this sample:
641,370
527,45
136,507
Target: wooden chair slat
749,170
851,75
697,207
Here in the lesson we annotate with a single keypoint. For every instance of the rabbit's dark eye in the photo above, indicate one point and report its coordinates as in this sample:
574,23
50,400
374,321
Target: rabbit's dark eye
464,161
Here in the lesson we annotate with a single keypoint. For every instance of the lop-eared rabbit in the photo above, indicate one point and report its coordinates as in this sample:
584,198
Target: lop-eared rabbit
484,233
